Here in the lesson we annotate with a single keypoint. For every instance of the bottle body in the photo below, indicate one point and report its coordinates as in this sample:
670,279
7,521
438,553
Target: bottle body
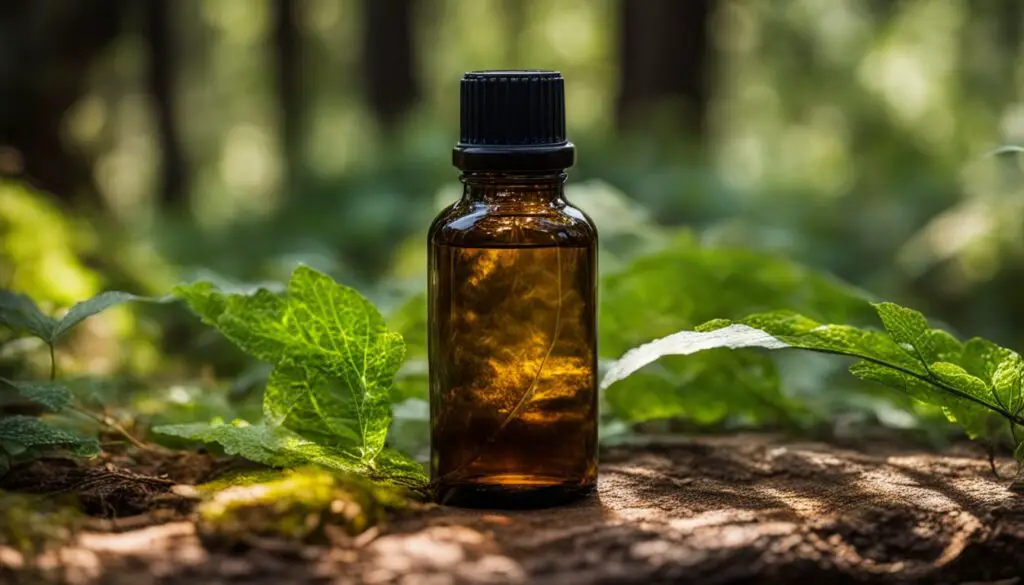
513,344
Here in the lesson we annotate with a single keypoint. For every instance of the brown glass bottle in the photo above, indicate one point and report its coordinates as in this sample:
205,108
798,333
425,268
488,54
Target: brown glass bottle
512,307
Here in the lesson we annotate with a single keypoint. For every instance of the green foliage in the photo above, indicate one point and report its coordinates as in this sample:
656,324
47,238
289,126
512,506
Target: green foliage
42,247
720,387
85,309
20,313
30,432
23,438
26,437
411,427
410,320
686,284
328,399
52,396
277,446
978,384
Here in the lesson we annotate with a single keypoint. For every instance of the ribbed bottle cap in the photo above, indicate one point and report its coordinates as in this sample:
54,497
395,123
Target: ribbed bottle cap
513,121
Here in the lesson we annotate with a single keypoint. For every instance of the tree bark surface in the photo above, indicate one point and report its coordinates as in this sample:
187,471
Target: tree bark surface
739,509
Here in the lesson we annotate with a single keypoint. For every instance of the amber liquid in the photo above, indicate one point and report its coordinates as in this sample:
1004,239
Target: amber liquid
513,374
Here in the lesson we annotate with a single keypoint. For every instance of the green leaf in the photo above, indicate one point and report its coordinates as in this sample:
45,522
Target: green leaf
85,309
904,325
975,416
982,393
976,420
687,284
32,432
1008,383
20,313
394,467
205,300
411,381
13,449
733,336
411,425
910,329
310,404
52,395
410,320
722,386
957,377
912,386
273,446
281,447
334,358
981,357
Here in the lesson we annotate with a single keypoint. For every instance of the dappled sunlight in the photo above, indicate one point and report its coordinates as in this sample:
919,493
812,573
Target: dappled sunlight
730,506
139,541
888,483
41,248
965,488
912,69
126,172
168,549
219,361
444,548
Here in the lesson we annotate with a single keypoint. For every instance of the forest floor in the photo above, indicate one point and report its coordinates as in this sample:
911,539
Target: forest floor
738,509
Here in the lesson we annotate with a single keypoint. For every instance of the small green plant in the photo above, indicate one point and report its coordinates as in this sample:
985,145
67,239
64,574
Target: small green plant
21,314
328,399
24,437
978,384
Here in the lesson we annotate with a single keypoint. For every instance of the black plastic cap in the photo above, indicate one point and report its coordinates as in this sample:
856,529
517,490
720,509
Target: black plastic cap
513,121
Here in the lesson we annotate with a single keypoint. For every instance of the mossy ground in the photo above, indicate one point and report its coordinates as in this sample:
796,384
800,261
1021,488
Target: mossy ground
299,505
47,500
30,523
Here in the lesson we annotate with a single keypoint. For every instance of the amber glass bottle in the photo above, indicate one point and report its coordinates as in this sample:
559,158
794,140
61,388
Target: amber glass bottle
512,309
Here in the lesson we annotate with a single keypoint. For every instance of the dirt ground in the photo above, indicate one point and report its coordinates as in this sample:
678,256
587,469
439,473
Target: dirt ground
740,509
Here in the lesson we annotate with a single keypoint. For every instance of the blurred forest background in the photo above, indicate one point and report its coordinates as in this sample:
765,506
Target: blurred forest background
145,142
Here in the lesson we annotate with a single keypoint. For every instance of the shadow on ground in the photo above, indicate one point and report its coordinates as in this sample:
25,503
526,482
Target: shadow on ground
741,509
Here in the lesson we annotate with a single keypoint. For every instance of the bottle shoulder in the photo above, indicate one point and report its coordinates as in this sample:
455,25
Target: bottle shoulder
479,224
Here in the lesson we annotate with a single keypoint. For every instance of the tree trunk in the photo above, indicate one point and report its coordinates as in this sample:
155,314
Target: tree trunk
288,63
159,39
387,58
49,47
663,54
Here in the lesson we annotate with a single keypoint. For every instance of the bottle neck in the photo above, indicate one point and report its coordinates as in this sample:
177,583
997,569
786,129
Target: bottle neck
511,187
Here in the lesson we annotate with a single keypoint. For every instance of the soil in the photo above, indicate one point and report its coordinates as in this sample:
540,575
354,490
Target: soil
119,485
715,510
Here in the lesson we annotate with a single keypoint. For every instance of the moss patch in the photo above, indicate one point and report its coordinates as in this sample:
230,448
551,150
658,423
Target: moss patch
298,505
30,524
